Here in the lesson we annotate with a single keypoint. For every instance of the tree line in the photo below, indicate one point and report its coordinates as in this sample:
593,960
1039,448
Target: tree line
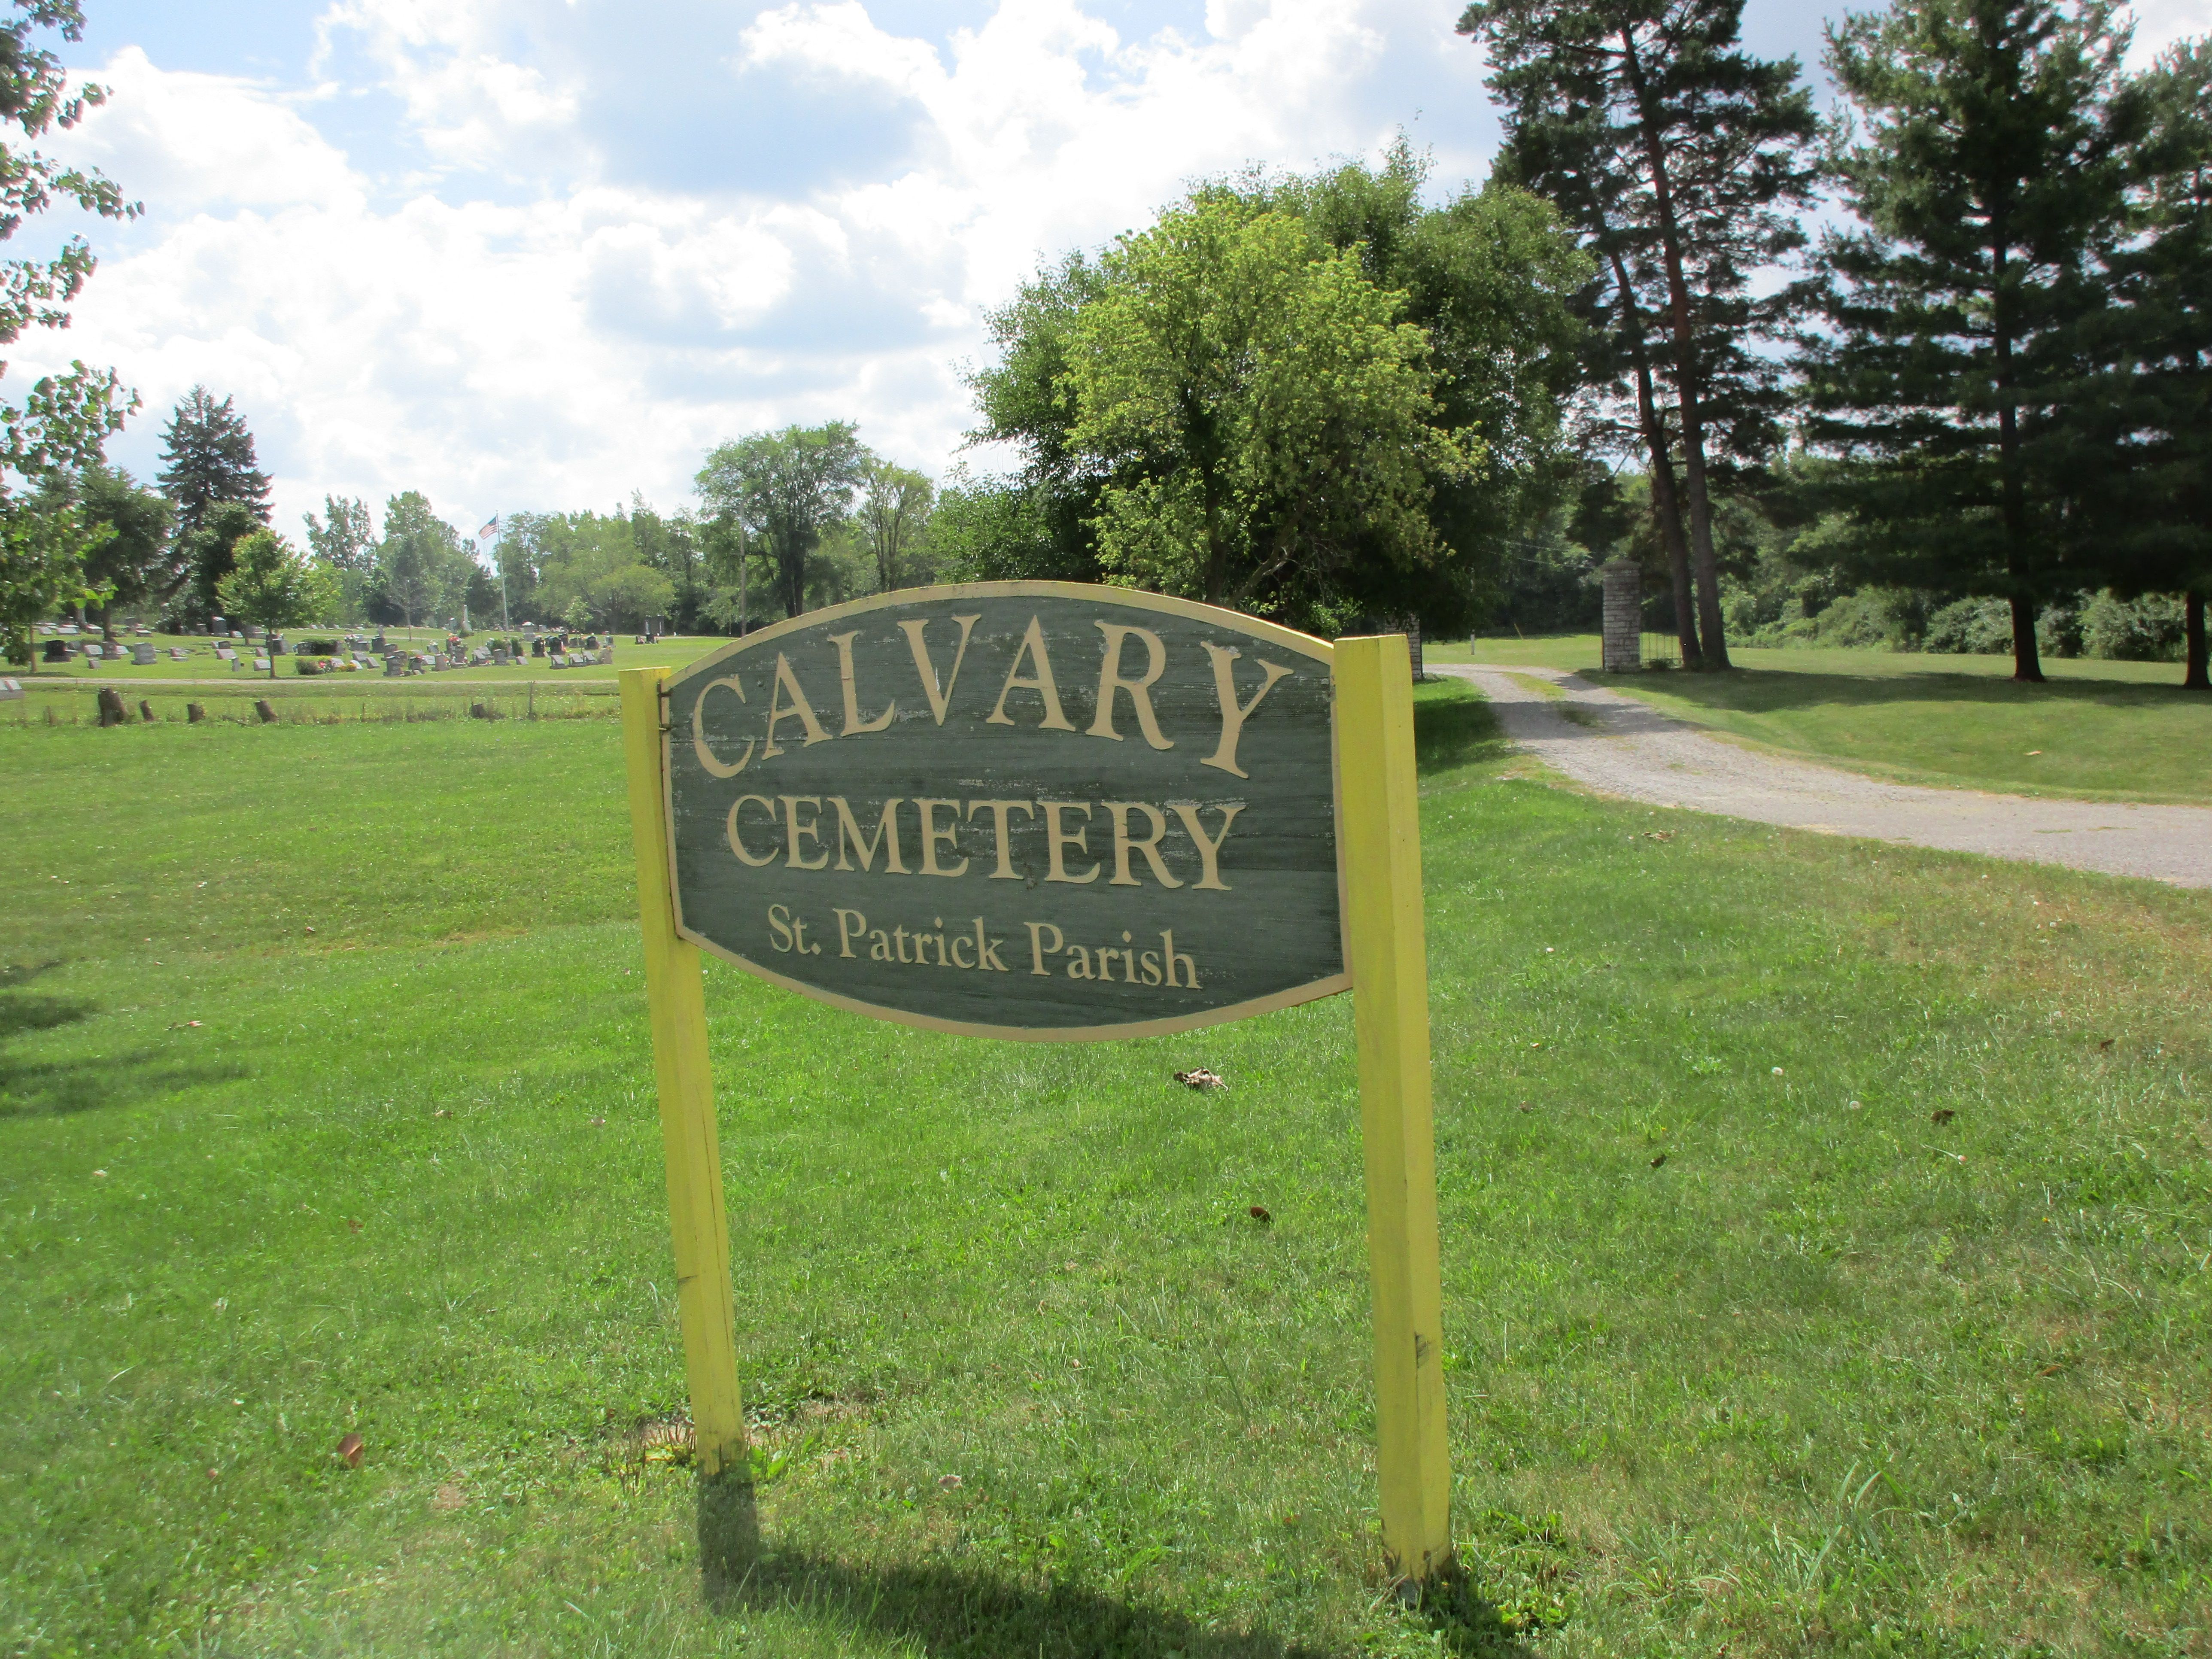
1969,413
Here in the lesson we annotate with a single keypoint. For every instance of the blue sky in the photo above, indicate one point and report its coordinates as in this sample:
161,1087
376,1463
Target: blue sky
545,254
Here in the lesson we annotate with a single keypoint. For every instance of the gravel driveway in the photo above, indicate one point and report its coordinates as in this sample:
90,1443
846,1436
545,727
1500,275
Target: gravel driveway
1618,746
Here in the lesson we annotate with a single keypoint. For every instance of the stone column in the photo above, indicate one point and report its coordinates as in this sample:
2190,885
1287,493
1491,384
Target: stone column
1623,651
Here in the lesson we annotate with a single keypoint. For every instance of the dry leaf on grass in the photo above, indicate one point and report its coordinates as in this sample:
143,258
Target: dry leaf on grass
949,1483
1259,1213
1657,1161
350,1448
1200,1079
1941,1115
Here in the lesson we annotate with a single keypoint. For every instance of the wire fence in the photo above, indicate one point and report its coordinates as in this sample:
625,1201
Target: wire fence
281,704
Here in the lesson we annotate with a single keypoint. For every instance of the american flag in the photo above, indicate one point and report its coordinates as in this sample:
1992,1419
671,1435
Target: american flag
489,530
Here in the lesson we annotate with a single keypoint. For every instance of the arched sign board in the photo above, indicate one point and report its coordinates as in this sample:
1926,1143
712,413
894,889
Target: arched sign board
1034,813
1049,813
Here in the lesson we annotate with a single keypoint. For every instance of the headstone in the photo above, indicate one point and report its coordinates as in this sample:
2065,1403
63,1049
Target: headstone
10,690
178,653
537,646
261,665
56,651
226,653
143,655
394,666
606,654
91,652
1622,652
377,644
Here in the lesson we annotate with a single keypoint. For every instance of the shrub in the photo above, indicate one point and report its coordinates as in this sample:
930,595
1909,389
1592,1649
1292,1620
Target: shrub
1970,628
2148,630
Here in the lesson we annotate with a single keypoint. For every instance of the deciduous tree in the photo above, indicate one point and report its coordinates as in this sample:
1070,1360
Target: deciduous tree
274,586
787,487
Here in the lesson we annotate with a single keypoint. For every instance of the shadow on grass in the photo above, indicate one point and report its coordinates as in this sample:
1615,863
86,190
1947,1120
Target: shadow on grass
1451,730
949,1611
58,1088
1757,690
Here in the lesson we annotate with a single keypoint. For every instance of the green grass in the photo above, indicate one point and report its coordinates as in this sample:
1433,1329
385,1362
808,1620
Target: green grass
1831,1376
2108,730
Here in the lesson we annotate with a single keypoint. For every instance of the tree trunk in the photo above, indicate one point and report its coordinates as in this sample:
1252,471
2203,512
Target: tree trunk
1665,503
2195,677
1713,637
2026,654
2026,657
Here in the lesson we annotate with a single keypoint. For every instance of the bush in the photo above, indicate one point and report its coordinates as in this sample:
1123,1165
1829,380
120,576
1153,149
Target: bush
1970,628
2148,630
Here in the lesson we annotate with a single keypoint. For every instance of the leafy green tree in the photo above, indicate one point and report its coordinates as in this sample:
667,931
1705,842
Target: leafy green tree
1487,276
1682,161
894,514
672,546
274,586
42,560
139,565
577,618
634,594
422,572
788,489
344,541
209,552
1265,416
207,455
63,419
1988,167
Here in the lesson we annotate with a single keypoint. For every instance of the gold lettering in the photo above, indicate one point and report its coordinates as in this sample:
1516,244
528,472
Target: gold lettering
812,830
715,768
1209,852
800,709
931,834
849,835
1032,649
998,809
1233,714
1149,961
1037,946
956,944
1140,694
879,946
846,930
737,845
1057,840
1167,947
844,644
778,922
939,701
1079,963
1150,847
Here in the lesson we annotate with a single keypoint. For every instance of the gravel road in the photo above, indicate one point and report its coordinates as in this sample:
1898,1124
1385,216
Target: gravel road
1618,746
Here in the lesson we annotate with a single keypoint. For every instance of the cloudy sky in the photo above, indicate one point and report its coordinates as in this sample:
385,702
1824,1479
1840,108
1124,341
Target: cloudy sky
545,254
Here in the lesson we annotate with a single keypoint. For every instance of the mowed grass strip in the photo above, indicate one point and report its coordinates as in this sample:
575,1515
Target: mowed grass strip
2104,731
1826,1231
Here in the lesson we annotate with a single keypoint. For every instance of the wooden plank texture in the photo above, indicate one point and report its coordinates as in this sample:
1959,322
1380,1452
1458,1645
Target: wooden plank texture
675,997
1390,1000
1027,809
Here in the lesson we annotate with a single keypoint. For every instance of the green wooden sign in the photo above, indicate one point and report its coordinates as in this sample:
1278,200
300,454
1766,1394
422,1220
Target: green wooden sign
1018,809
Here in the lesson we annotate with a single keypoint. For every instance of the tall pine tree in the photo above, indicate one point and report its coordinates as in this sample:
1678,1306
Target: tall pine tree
1682,160
1987,169
207,456
2141,476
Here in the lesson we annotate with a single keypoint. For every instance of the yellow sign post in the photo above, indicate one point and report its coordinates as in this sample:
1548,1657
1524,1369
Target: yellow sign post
1321,887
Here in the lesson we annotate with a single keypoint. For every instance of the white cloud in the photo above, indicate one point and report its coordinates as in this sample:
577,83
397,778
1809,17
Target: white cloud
496,303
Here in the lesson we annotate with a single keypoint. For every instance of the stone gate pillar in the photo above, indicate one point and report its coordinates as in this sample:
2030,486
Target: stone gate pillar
1623,651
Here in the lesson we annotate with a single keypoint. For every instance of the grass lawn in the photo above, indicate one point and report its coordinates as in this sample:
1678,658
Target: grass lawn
1825,1234
2107,731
